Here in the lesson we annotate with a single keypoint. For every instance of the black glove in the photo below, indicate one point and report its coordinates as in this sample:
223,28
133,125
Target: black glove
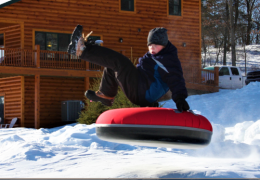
182,104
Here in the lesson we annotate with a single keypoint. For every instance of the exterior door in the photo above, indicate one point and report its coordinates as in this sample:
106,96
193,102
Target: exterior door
236,79
2,109
225,78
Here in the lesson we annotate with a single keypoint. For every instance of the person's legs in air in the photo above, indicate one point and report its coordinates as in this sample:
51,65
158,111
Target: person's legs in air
119,69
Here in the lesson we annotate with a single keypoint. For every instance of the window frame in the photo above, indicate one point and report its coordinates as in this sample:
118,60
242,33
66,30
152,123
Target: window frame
124,11
57,39
2,52
175,16
3,37
2,94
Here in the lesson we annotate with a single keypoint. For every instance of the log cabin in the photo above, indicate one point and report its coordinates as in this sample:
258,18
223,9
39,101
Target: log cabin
37,75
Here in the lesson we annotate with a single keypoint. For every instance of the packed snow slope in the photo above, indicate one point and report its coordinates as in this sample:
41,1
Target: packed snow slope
74,151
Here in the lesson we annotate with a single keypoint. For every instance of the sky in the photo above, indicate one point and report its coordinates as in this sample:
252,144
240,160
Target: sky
74,150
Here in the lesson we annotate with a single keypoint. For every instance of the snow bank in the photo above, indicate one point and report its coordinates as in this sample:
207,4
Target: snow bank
235,118
227,107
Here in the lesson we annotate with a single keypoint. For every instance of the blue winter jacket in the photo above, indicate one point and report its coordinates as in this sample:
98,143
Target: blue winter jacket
159,73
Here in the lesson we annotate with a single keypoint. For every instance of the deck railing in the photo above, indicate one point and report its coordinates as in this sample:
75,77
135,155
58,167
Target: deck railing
201,76
43,59
17,57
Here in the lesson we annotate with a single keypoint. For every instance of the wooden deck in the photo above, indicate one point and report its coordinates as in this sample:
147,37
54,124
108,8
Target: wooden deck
43,59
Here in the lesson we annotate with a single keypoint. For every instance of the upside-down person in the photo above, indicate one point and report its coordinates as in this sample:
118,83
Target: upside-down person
158,71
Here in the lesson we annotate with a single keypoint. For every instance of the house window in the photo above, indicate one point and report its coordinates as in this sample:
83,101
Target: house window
2,109
52,41
175,7
93,38
1,46
1,40
55,41
127,5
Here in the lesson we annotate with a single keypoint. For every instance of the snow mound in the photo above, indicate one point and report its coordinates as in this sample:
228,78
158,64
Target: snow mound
252,134
227,107
11,138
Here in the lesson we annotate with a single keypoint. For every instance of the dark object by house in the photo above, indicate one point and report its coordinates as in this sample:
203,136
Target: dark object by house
252,76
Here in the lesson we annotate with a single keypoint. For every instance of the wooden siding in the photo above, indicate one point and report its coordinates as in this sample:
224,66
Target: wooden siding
12,88
12,36
20,20
104,18
52,92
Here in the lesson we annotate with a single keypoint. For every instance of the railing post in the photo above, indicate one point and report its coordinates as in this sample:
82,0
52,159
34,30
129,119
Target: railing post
216,76
37,56
86,64
86,83
22,56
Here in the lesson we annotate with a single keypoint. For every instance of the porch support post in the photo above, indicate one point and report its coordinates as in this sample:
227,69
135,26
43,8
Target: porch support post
22,101
86,65
86,83
37,56
37,102
216,75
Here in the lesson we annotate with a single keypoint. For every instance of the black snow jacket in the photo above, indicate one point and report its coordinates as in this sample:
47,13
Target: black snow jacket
159,73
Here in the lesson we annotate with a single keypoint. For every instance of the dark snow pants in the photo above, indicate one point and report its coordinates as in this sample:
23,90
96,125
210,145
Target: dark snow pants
118,71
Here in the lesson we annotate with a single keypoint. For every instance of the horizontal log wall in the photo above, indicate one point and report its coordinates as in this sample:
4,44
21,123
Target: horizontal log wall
52,92
104,18
12,36
12,88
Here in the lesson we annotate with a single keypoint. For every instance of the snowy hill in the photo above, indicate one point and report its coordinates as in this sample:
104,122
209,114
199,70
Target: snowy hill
74,151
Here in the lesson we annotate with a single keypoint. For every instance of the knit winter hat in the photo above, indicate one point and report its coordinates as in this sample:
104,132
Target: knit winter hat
158,36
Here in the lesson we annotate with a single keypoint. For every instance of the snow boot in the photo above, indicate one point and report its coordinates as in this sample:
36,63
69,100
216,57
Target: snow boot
75,37
99,97
78,42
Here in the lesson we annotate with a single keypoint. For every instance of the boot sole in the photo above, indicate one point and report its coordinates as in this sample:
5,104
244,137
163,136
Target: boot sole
77,33
91,95
78,29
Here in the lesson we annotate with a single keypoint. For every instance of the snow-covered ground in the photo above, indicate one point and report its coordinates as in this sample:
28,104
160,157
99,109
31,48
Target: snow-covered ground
74,151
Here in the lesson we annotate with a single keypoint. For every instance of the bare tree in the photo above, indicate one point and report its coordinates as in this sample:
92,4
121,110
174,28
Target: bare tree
226,33
256,20
250,5
232,31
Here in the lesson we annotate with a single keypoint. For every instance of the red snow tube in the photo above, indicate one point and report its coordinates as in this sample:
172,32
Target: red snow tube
156,127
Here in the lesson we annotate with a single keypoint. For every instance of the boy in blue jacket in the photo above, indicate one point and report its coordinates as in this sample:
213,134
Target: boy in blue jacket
158,71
